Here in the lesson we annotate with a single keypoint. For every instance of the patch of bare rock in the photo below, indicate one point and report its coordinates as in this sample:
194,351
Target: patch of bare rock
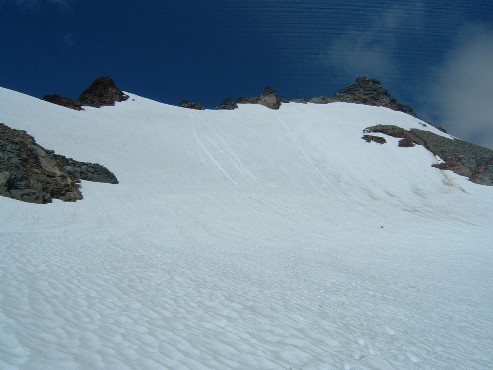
368,91
102,92
30,173
376,139
191,105
463,158
364,90
227,104
63,101
268,98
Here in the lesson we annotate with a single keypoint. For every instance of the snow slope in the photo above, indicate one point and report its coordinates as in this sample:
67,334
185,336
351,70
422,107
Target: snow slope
251,238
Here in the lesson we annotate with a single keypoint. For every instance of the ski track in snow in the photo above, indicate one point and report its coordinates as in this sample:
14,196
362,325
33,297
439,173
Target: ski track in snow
247,239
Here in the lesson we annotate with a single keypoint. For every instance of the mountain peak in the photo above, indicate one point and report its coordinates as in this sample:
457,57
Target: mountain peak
369,91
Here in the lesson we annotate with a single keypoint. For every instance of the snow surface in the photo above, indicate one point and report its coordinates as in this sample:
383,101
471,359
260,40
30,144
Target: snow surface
251,238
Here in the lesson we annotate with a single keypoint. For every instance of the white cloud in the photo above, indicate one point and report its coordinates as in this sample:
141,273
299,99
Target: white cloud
462,90
360,54
369,50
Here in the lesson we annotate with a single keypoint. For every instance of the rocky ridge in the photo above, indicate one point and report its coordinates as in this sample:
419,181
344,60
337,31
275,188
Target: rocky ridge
268,98
191,105
364,90
369,91
227,104
102,92
463,158
63,101
30,173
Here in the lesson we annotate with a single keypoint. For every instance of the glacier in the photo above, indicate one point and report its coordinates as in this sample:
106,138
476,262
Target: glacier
252,238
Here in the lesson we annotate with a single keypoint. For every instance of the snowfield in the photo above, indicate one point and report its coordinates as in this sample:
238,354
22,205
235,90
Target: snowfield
248,239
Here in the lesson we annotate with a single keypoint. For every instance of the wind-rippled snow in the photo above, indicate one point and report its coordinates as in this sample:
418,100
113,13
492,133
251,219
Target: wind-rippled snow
244,239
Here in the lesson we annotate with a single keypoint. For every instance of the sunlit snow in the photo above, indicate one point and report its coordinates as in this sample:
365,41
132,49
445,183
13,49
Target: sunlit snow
249,239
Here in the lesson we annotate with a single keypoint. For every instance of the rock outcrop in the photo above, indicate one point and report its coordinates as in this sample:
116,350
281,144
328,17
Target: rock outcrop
32,174
190,105
299,100
268,98
63,101
243,100
102,92
463,158
376,139
227,104
320,100
369,91
84,170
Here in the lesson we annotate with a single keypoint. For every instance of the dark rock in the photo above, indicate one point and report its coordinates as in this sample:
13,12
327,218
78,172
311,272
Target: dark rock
189,105
29,173
85,171
32,174
227,104
406,143
376,139
244,100
320,100
300,100
268,98
391,130
102,92
369,91
463,158
63,101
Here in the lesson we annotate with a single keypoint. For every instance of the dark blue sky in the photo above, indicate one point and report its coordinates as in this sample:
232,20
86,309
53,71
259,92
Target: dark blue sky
432,55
